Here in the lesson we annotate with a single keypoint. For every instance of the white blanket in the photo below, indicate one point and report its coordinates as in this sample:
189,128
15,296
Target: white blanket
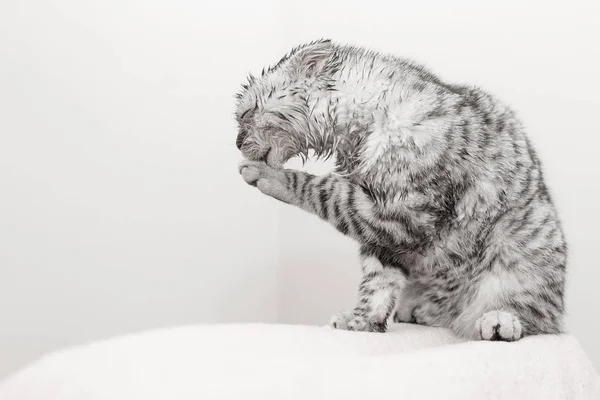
300,362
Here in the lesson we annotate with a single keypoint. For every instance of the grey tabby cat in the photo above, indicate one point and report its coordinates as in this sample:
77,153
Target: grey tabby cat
437,182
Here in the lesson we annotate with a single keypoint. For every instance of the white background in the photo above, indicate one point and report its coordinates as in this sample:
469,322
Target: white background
120,204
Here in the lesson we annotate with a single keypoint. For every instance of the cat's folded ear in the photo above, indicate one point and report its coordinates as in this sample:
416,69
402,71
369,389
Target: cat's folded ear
313,59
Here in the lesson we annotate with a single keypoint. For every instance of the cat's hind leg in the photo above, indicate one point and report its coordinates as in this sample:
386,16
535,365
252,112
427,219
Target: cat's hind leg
507,306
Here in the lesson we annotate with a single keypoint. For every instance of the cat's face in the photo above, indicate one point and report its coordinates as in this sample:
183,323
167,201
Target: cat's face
273,111
266,133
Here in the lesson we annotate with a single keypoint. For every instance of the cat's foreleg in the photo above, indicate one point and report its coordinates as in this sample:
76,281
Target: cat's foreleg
377,293
333,198
351,211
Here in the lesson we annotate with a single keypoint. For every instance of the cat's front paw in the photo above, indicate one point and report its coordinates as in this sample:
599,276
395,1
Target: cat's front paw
404,313
499,325
253,171
351,321
270,181
405,317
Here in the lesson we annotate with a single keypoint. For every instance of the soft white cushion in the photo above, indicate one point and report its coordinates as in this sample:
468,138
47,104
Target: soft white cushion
300,362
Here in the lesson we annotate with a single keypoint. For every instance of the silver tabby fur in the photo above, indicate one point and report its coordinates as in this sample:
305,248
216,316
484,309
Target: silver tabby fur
437,182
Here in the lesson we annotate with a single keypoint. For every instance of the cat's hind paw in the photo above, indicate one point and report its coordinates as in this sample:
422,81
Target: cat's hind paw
498,325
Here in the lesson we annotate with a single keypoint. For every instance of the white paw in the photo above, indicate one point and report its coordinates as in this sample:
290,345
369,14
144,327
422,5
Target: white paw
498,325
250,174
274,189
351,321
340,320
404,313
252,171
269,180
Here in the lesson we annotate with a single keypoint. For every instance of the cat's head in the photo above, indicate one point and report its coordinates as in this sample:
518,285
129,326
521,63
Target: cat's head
274,110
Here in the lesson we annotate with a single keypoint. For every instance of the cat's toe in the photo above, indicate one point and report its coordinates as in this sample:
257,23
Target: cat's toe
340,320
251,174
499,326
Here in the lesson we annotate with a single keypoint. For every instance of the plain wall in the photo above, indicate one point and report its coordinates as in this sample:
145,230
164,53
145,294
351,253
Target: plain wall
121,208
541,57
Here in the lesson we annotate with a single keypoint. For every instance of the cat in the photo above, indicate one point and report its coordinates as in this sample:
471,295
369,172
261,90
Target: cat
437,182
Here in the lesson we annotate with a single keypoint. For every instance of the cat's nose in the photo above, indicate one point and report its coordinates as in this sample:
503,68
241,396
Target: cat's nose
240,139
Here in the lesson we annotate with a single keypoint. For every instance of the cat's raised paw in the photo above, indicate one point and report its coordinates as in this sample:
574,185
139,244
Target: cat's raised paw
252,171
270,181
499,326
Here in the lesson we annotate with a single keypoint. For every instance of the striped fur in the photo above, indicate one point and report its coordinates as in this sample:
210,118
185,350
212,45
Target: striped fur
437,182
